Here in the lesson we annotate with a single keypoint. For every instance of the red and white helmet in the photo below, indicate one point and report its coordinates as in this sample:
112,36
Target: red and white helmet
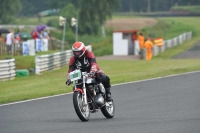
78,49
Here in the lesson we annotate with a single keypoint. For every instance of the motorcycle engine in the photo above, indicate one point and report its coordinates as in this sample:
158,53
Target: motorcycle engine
99,100
91,89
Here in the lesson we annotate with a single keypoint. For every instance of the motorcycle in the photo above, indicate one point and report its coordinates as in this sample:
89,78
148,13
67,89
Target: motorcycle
89,96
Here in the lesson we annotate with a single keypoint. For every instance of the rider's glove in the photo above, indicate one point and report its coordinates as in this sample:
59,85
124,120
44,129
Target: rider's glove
68,82
91,74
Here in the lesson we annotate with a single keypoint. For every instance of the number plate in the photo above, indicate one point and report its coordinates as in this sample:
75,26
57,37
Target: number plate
75,75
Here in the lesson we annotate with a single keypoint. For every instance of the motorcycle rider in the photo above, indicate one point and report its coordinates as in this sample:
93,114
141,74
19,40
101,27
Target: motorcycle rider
84,60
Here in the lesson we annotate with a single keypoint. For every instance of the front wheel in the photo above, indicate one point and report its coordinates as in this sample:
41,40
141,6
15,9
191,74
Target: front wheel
81,109
108,110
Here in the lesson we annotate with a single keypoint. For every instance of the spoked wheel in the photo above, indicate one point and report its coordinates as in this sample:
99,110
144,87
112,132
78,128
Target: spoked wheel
108,110
82,110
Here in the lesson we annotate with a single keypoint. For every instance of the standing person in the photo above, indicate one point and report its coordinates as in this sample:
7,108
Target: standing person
46,35
1,38
141,43
17,41
17,36
34,34
149,47
9,41
85,61
41,36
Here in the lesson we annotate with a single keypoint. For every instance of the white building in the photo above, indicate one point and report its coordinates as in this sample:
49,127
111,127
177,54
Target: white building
125,42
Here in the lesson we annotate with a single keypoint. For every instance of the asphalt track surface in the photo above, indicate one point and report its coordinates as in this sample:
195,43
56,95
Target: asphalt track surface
164,105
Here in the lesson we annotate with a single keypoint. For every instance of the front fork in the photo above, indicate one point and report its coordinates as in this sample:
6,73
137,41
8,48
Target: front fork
83,91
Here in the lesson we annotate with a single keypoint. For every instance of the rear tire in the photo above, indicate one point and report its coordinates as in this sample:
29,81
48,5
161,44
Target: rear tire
82,110
108,110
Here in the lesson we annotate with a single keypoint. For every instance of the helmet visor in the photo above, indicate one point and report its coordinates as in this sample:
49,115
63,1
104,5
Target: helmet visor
77,53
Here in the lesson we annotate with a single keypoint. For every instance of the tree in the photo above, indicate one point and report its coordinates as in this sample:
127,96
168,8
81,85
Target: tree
8,10
94,13
68,11
32,7
153,5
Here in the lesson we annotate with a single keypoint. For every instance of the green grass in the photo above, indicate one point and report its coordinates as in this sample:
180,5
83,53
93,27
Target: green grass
26,62
103,48
34,20
192,9
51,83
168,29
170,53
192,22
188,21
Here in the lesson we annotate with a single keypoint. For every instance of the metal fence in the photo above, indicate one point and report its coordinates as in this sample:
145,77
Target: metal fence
16,49
169,44
54,61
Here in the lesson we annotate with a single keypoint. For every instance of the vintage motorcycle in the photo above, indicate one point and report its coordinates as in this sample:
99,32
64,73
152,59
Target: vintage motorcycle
89,96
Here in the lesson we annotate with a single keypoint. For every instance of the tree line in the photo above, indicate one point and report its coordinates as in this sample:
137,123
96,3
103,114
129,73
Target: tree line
91,14
153,5
32,7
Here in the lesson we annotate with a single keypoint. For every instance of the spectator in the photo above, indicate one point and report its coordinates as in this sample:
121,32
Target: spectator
149,47
45,34
41,34
17,40
17,36
1,38
9,41
35,34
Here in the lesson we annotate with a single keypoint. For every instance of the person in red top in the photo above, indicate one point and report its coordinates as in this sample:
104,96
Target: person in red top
35,34
85,60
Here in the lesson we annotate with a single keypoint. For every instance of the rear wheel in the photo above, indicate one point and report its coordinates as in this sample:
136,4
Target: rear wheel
108,110
81,109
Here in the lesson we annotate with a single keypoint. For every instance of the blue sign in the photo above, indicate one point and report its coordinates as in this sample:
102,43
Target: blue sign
25,48
38,45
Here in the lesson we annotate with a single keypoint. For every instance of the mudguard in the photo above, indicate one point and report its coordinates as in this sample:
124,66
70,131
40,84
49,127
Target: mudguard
79,89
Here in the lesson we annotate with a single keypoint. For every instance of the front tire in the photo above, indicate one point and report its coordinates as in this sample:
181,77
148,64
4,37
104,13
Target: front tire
108,110
82,110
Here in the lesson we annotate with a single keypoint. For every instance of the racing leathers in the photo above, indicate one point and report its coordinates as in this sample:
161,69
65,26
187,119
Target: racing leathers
87,63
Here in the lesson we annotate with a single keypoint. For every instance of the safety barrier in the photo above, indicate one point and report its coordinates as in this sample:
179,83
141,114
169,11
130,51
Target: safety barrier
7,69
169,44
30,47
54,61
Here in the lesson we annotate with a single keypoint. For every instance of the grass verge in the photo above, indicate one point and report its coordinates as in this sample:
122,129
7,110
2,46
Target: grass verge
51,83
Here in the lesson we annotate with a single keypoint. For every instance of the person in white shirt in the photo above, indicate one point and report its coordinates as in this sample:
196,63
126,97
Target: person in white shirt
9,41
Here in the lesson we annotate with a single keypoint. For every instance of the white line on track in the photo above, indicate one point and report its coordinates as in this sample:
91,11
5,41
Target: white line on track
112,85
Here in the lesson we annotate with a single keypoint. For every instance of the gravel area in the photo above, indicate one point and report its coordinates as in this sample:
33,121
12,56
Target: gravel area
130,23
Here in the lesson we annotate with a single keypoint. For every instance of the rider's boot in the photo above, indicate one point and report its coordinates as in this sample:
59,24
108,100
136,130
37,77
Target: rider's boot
108,95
